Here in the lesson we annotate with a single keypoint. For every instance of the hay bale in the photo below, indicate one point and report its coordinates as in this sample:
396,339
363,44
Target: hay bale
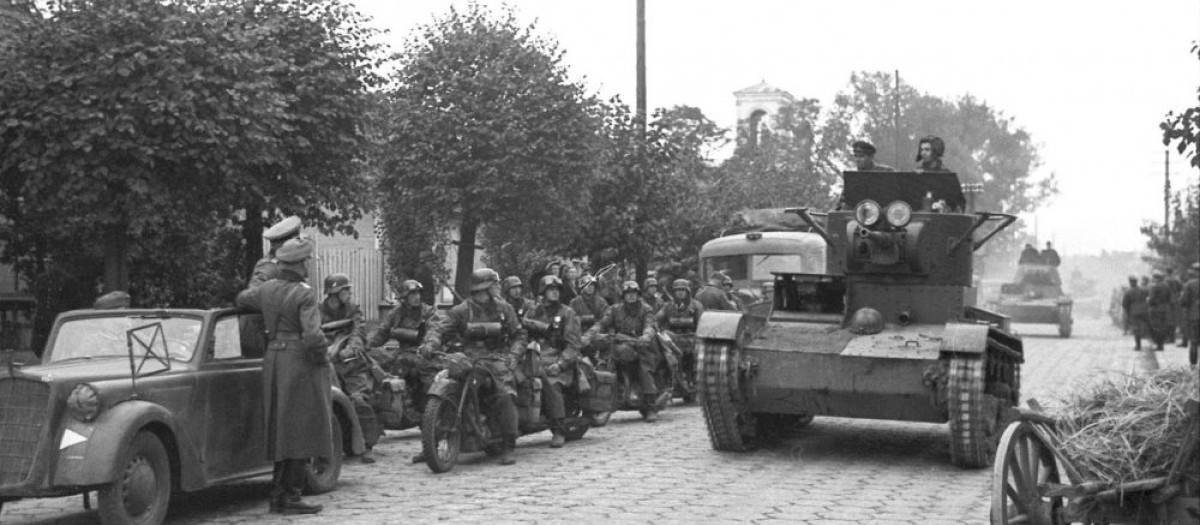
1125,428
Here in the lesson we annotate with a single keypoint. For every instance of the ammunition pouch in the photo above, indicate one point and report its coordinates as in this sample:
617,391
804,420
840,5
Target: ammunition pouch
484,330
681,323
406,335
536,327
587,320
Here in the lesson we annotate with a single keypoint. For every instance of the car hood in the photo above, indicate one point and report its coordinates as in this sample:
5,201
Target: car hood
94,369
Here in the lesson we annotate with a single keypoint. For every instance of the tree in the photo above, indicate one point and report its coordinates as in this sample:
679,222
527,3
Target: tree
486,131
1181,246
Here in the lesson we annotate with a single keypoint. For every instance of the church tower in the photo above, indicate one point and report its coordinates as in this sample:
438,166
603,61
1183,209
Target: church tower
757,107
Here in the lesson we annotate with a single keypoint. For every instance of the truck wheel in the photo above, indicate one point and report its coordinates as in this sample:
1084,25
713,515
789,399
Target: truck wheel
440,438
721,399
142,490
975,424
323,473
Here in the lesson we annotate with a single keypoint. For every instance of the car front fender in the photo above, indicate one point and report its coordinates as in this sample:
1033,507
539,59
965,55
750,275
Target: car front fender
89,453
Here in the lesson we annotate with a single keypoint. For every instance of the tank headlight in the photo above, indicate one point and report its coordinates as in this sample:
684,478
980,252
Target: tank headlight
867,213
899,213
84,402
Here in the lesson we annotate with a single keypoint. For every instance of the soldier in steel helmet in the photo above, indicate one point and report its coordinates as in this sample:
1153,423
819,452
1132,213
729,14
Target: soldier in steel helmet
296,379
492,336
633,318
344,327
713,296
407,323
681,316
864,157
556,329
588,304
651,295
267,268
513,291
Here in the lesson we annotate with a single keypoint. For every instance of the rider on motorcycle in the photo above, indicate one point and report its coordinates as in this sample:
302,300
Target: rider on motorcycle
680,317
651,296
588,305
514,294
633,318
342,322
556,328
492,336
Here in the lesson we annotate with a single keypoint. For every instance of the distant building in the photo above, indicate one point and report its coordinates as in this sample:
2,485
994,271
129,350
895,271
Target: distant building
757,108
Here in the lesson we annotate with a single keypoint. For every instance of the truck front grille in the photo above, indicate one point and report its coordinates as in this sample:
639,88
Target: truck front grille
22,414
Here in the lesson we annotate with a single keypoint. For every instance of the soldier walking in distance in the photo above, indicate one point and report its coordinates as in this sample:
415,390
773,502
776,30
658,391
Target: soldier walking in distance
1176,287
1136,311
343,324
1159,300
712,295
267,268
639,359
864,157
556,328
492,336
296,382
1190,303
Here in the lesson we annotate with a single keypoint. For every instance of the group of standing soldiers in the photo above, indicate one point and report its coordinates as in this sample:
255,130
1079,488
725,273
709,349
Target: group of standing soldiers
1156,307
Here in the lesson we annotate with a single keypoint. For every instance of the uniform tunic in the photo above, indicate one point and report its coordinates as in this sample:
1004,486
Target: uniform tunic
633,320
589,309
296,383
352,370
1137,311
713,298
1190,303
1159,302
560,341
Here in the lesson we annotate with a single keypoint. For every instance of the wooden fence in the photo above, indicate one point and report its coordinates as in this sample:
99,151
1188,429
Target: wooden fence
365,268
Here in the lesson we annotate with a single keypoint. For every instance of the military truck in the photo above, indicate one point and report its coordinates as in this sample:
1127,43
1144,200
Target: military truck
883,333
759,243
1036,296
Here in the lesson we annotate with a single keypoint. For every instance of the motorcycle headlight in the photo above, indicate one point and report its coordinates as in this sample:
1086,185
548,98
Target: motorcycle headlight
899,213
867,212
84,402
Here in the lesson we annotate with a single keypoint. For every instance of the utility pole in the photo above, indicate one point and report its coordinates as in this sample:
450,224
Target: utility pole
641,67
896,125
1167,195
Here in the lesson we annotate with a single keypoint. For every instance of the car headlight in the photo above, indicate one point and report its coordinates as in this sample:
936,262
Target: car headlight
899,213
867,213
84,402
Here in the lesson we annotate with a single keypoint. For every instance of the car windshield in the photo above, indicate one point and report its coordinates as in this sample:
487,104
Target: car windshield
105,337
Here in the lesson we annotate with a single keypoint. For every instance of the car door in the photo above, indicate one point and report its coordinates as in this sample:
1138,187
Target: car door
231,390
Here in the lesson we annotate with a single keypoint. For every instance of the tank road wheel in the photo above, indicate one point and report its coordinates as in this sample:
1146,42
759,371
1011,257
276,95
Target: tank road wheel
721,399
1023,462
142,490
440,437
974,414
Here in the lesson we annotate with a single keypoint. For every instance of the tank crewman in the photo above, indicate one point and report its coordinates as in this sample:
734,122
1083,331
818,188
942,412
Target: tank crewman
681,316
930,150
712,295
407,323
633,318
588,305
1030,255
556,328
267,267
1136,311
296,382
1159,300
864,157
1190,301
492,336
1176,287
112,301
1050,255
651,295
343,324
514,295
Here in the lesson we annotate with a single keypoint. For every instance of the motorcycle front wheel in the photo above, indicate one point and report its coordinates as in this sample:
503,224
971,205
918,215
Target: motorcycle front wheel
440,437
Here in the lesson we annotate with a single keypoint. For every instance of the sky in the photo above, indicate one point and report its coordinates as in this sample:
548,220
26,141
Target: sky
1090,81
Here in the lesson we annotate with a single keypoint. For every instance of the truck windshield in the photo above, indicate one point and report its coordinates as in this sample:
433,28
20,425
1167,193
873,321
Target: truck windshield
755,267
105,337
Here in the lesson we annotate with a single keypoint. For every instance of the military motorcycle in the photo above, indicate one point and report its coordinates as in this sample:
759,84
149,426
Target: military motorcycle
623,389
391,398
683,346
454,423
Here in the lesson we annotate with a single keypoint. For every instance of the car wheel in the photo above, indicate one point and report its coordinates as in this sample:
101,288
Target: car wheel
142,490
323,473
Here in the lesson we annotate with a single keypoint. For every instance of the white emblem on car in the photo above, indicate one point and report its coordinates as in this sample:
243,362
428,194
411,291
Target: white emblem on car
71,437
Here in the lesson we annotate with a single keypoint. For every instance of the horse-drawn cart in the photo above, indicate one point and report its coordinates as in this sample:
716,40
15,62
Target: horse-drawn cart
1035,482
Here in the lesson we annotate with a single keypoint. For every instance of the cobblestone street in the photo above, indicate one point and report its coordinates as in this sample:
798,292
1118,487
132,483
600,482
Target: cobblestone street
837,471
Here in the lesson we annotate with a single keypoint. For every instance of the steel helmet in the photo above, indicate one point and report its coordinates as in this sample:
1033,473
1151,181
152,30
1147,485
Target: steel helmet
650,281
866,321
586,281
410,286
483,278
551,280
512,281
336,283
630,286
681,284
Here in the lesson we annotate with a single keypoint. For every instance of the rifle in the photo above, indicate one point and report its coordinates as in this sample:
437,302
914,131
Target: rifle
457,298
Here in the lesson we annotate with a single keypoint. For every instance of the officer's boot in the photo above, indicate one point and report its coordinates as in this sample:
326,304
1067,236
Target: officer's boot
556,430
289,502
507,455
649,408
368,456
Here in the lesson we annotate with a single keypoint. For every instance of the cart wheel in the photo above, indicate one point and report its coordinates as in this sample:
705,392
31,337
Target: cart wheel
1022,462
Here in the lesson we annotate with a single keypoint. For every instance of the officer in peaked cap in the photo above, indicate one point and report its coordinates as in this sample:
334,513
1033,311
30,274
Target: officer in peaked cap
864,157
266,268
296,379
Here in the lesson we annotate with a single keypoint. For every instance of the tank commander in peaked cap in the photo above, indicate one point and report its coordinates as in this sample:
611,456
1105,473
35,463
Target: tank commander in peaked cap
296,379
267,267
863,153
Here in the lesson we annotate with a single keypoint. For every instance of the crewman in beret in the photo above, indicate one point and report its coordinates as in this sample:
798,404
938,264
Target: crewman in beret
267,267
864,157
296,378
112,301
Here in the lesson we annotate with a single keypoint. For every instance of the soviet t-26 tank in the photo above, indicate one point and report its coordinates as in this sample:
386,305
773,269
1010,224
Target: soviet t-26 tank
1036,296
885,333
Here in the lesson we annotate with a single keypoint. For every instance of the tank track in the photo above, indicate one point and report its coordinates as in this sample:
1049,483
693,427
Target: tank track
721,400
980,390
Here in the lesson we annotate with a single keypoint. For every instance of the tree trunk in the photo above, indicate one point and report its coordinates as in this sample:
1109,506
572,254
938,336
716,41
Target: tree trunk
252,230
643,266
116,259
466,255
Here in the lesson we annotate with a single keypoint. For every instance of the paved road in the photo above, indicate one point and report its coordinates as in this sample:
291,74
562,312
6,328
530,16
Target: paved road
838,471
